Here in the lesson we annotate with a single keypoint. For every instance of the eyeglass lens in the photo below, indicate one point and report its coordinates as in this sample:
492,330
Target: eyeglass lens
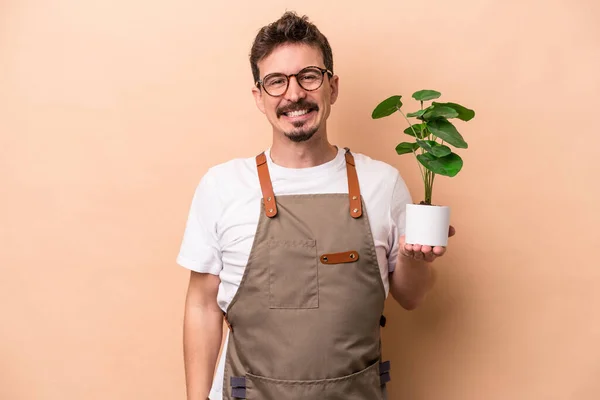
308,79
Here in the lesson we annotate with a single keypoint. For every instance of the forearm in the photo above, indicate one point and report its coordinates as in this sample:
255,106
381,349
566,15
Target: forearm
203,329
410,281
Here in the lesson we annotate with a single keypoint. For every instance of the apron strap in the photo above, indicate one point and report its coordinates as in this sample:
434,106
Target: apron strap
269,197
353,186
265,185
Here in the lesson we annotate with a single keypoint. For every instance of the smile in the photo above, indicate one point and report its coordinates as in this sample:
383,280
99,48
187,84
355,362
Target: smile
296,113
299,114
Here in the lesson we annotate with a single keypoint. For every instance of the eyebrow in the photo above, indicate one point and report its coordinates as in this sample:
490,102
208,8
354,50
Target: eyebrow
283,73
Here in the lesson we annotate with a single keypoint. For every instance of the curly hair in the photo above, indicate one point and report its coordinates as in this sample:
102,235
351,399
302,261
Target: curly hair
290,28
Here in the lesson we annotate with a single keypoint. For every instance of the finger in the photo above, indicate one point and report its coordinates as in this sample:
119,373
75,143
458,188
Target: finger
418,255
451,231
439,250
408,250
416,248
427,253
429,257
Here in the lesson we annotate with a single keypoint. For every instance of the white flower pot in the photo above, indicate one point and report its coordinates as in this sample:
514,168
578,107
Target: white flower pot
427,225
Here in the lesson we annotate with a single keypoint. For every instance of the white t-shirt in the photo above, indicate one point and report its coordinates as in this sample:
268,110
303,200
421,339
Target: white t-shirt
226,206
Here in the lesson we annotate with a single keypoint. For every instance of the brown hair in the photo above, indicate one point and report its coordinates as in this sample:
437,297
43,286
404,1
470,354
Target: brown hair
290,28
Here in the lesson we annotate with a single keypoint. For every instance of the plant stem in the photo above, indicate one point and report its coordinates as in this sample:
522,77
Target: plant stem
411,127
415,154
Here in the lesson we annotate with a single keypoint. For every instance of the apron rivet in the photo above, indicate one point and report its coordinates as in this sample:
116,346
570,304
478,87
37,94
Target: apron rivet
270,210
355,210
325,259
352,255
268,199
354,198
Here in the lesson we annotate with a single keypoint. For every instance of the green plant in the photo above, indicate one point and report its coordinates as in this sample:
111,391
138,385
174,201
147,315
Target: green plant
431,135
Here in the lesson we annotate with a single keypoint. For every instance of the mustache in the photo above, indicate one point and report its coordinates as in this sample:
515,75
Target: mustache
299,105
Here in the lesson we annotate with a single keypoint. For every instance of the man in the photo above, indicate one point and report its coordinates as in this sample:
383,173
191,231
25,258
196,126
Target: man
297,247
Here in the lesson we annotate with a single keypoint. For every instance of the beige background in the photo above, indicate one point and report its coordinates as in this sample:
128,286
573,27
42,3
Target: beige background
110,112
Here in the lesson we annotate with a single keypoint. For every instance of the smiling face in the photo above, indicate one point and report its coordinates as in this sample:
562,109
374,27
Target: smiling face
298,114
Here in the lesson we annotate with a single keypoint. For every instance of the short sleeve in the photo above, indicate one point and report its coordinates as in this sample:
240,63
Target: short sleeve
200,250
400,198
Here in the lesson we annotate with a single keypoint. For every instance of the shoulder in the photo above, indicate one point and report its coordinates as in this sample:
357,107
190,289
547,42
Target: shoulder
229,181
230,173
234,168
380,181
375,171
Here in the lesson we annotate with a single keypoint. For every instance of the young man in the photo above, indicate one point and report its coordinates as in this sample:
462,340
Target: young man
298,247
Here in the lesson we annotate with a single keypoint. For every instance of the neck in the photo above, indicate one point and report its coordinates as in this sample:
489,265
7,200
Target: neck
315,151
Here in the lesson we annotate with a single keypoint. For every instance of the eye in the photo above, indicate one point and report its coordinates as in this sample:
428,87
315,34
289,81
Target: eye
310,76
275,81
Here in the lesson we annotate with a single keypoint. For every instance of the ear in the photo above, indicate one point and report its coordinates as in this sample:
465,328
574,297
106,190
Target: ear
258,99
334,85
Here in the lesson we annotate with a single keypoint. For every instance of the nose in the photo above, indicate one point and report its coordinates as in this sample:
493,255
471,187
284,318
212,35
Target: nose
294,91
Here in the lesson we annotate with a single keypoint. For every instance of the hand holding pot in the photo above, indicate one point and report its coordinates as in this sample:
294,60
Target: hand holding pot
423,252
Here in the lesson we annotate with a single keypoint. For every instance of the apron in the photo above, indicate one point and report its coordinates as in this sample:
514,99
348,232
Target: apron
305,321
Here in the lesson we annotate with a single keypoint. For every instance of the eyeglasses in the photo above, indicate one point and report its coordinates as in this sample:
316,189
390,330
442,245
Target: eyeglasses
309,79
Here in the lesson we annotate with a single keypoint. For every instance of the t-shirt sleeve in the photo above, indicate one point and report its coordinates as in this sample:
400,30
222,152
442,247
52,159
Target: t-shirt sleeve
400,198
200,250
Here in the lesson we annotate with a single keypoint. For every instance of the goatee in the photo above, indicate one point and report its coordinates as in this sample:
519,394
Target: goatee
300,135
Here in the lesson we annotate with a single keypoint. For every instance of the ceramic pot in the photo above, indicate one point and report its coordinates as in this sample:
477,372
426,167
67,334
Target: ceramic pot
427,225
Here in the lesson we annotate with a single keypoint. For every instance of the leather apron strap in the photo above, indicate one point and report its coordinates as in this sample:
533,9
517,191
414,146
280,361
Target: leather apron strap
353,187
270,203
265,185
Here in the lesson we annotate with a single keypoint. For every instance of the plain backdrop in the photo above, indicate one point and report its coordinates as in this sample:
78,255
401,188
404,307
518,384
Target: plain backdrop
111,111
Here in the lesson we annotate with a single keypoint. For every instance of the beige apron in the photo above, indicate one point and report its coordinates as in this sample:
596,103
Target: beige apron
305,321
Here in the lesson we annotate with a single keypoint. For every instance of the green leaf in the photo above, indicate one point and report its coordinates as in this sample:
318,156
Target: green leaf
424,95
438,111
444,129
417,114
433,147
448,165
464,113
406,147
418,129
387,107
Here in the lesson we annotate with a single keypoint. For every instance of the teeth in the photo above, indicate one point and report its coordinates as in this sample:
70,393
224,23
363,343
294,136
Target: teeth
297,113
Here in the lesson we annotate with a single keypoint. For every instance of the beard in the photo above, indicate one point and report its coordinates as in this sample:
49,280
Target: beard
301,133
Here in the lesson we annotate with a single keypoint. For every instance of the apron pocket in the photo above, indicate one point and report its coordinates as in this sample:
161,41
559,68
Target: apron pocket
293,274
363,385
